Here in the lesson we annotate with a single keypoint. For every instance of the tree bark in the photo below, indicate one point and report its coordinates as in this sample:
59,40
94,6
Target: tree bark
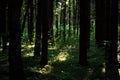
56,18
3,26
30,21
64,20
112,58
45,27
15,61
69,33
100,22
50,31
38,43
84,30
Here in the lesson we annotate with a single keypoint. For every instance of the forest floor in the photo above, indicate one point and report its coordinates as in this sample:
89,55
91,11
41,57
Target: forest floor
63,64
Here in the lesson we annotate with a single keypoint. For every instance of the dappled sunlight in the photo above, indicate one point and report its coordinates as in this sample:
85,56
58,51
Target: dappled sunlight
52,48
69,47
118,56
103,68
119,71
45,70
8,43
27,46
23,45
30,54
0,49
30,46
62,56
27,50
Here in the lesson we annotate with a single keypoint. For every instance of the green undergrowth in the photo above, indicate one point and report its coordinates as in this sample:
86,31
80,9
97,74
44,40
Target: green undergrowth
63,63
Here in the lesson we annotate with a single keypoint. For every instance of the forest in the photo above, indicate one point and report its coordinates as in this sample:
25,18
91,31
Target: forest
59,39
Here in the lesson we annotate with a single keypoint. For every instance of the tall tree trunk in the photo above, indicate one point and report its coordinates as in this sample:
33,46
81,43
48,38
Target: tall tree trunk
112,58
107,20
56,13
112,72
64,21
69,33
45,27
74,16
84,30
30,21
51,34
3,26
35,7
15,61
100,23
77,17
38,43
61,18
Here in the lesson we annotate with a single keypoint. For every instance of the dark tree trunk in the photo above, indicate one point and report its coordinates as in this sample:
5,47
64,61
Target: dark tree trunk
74,16
84,30
112,57
61,18
30,21
56,18
77,17
69,33
51,34
3,27
61,14
64,21
37,48
35,8
100,22
45,27
107,20
15,61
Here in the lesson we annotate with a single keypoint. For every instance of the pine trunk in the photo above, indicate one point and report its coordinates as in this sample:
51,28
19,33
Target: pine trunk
100,22
15,61
38,42
84,30
45,27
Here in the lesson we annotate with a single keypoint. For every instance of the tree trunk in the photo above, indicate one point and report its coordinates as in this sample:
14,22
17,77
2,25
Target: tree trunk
77,18
107,20
3,26
56,13
64,20
112,57
74,16
51,34
100,22
84,30
45,27
15,61
37,48
69,33
30,21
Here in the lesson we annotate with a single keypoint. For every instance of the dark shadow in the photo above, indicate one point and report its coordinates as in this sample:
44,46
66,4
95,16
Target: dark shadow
4,71
112,72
